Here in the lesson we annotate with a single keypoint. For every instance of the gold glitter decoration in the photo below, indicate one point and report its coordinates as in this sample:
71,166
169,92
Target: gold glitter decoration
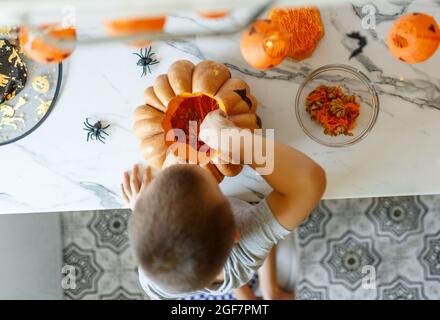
14,55
11,121
40,84
13,73
21,102
8,114
43,107
4,80
9,118
5,30
7,111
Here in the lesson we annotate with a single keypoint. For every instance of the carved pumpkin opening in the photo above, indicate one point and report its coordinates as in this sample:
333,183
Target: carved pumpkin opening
187,108
400,41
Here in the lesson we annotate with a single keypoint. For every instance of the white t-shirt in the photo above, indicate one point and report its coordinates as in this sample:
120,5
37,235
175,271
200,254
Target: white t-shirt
259,232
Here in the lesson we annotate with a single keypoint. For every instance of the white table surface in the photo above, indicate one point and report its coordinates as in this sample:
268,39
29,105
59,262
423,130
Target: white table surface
55,169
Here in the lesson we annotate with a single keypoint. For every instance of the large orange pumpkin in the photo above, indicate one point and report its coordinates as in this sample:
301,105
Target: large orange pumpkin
58,46
414,37
189,92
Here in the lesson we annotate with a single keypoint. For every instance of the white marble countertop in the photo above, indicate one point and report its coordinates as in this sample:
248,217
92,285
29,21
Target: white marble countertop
55,169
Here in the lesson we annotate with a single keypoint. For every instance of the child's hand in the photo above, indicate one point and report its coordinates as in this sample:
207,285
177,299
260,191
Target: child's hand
211,127
132,187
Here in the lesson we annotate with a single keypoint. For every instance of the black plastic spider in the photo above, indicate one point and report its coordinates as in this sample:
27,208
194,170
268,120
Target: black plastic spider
95,131
146,60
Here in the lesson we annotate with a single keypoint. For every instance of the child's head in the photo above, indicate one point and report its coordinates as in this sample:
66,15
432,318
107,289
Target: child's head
182,229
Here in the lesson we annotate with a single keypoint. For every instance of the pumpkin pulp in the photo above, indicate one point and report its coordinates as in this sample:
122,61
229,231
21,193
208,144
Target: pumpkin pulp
185,111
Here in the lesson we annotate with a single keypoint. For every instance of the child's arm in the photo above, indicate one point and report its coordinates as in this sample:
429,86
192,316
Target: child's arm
297,181
298,184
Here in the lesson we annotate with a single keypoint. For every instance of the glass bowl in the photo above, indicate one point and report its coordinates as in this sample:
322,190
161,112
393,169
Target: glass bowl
352,82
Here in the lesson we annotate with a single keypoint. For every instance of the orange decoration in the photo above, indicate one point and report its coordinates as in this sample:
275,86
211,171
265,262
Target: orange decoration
134,26
51,44
213,14
414,38
304,27
186,93
263,45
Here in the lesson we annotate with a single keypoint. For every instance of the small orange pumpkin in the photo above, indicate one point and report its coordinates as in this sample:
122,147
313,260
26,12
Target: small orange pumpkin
414,38
190,92
263,45
40,50
134,26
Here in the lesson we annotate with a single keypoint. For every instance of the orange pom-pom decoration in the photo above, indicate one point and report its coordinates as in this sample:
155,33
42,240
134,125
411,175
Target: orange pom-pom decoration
51,43
304,27
263,45
414,38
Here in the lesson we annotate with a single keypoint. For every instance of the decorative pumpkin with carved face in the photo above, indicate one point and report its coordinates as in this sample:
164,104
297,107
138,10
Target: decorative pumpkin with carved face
414,38
187,93
263,45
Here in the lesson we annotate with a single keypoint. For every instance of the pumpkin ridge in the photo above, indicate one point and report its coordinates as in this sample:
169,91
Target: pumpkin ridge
163,90
146,112
180,75
244,97
209,76
151,99
147,128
